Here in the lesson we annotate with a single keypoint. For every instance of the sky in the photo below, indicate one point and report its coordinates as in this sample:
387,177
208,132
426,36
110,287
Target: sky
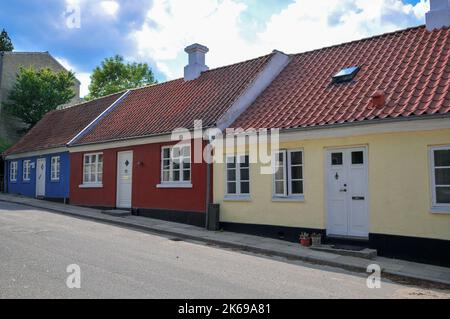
81,33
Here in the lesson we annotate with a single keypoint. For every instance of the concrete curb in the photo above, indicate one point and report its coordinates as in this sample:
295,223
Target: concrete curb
392,275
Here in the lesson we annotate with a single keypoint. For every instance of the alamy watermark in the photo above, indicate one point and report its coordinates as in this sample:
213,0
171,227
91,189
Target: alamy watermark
73,281
374,280
72,16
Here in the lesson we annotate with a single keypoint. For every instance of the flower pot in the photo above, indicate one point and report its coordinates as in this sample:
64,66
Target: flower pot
316,240
305,242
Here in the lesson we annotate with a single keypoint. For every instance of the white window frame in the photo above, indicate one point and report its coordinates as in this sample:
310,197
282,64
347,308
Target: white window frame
237,158
183,159
55,168
97,182
13,167
287,176
437,207
26,170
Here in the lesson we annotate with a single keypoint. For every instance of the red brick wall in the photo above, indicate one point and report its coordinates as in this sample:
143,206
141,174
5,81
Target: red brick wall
145,194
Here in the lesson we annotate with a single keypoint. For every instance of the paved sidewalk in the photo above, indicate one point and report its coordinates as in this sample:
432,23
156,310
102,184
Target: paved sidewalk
391,268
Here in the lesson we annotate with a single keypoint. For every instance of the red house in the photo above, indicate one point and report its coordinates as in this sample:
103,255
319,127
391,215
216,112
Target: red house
128,159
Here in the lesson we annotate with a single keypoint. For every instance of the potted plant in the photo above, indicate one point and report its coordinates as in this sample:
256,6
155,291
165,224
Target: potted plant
316,239
305,240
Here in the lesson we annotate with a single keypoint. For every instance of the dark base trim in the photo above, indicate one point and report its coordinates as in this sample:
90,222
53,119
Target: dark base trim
190,218
424,250
290,234
57,200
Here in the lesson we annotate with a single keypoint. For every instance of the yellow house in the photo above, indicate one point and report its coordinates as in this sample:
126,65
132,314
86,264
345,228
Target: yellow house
364,149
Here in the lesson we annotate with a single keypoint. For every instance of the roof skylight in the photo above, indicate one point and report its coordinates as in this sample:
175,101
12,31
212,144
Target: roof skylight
346,74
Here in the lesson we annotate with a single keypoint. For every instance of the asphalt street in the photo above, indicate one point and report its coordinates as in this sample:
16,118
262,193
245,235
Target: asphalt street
36,247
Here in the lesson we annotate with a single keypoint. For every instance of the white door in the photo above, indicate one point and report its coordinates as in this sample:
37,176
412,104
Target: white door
124,179
347,191
40,177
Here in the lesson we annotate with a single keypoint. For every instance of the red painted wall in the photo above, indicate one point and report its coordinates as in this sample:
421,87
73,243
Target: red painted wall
145,194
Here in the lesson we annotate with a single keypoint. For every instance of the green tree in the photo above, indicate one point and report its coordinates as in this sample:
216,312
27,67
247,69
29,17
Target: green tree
5,42
114,75
4,146
37,92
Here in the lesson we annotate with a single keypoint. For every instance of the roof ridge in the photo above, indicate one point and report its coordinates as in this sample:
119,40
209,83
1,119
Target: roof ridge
86,102
208,71
364,39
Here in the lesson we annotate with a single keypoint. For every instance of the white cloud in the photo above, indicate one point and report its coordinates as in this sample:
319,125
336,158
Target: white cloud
303,25
83,77
110,7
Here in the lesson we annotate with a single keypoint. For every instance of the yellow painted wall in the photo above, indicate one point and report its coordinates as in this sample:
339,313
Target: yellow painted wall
399,187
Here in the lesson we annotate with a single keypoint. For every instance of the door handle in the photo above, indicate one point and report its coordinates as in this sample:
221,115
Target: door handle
358,198
343,190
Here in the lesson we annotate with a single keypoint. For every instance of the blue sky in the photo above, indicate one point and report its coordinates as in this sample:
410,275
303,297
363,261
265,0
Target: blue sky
80,33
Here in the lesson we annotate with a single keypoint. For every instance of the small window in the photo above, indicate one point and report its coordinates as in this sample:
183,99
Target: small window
288,173
346,74
358,158
176,164
441,176
336,159
13,171
238,175
93,168
55,168
26,170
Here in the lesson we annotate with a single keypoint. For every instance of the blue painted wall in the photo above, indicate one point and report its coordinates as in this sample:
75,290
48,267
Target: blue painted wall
53,189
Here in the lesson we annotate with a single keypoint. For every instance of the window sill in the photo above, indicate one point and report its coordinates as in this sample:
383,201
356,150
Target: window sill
174,185
91,186
289,199
440,210
237,198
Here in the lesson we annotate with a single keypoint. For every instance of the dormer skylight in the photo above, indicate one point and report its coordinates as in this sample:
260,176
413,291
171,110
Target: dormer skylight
346,75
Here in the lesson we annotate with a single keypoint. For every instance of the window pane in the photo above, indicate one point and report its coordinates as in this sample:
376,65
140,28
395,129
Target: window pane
166,152
245,188
442,176
443,195
297,172
357,157
336,159
166,164
186,165
245,174
280,158
297,187
175,152
296,158
231,188
279,174
442,158
166,176
279,188
87,159
100,177
186,175
231,162
176,164
186,151
176,176
231,175
245,161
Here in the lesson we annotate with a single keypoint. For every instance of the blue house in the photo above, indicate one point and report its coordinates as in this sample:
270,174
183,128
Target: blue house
39,164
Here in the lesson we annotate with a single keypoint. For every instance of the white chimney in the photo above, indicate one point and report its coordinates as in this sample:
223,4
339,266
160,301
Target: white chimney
196,64
439,15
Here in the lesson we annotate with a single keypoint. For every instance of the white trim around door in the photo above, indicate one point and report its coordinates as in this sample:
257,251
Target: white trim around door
40,177
346,180
124,179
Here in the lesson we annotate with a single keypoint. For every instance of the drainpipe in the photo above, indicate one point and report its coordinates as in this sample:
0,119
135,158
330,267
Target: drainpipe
208,191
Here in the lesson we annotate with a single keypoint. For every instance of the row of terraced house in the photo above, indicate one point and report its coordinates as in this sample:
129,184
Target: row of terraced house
364,145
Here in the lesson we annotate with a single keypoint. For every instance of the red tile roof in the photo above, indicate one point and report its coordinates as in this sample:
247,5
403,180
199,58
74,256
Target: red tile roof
161,108
58,127
411,67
